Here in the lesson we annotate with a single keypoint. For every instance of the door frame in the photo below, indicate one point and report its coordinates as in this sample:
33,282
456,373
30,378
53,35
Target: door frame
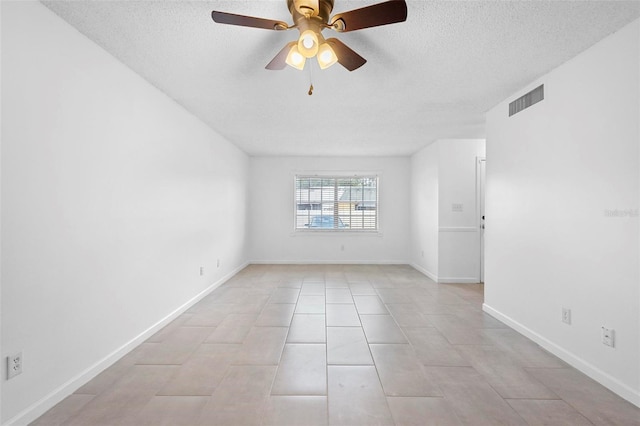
480,162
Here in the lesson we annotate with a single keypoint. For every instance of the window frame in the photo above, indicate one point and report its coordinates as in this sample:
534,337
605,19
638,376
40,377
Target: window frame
336,176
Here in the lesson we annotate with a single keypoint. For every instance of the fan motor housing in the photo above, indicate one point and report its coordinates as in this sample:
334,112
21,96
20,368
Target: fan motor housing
305,9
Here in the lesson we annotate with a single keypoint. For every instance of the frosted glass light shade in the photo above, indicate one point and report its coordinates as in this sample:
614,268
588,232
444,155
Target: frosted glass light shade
295,58
326,56
308,44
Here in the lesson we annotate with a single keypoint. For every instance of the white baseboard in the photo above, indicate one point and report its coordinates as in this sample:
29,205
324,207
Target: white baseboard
445,280
329,262
458,280
40,407
606,380
426,272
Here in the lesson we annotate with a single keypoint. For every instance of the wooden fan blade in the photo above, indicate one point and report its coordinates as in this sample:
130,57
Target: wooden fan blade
347,57
280,60
385,13
247,21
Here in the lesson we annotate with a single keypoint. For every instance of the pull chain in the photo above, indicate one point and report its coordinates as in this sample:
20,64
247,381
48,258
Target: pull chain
310,81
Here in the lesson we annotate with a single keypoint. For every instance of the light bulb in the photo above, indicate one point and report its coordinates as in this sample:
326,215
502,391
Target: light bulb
326,56
308,44
295,58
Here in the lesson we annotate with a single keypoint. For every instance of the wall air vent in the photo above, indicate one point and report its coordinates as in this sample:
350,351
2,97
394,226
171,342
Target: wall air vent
523,102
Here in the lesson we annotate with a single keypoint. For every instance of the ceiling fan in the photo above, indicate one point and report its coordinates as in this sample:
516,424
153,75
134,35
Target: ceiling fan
311,17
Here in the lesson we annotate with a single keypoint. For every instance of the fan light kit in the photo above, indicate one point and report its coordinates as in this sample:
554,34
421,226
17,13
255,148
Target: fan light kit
311,17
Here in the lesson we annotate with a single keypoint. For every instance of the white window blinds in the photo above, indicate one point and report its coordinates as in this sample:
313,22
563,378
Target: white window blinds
336,203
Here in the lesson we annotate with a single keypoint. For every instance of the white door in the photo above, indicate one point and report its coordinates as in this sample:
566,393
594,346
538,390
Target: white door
481,179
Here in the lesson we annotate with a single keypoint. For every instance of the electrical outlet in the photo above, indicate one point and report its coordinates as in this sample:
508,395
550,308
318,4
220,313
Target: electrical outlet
14,365
218,263
201,270
342,247
608,336
566,316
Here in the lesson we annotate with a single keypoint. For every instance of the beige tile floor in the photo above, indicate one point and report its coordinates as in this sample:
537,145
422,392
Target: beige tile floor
340,345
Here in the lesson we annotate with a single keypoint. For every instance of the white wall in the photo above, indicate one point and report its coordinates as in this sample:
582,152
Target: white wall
271,217
443,174
113,196
424,210
1,351
553,171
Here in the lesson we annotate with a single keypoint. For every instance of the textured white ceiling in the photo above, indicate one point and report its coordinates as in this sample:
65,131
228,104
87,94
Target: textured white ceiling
431,77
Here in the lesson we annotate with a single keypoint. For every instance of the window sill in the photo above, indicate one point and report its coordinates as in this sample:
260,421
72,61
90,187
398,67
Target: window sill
332,232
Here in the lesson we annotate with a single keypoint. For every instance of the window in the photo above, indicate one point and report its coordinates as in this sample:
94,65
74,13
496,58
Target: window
337,203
